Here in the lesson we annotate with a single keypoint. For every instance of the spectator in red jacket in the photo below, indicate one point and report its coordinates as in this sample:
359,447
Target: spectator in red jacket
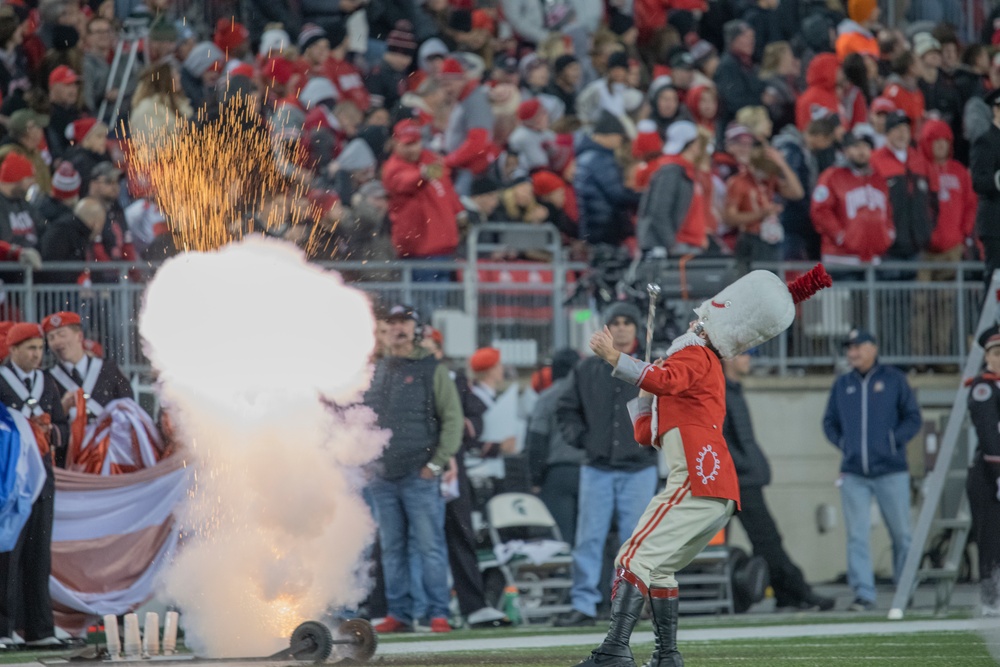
911,189
956,199
903,89
422,202
932,332
850,207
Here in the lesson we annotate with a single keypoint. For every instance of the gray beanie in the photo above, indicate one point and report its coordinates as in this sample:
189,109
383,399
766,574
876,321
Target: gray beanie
357,155
202,56
622,309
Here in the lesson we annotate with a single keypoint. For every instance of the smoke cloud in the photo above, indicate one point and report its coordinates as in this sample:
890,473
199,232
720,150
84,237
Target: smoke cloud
261,358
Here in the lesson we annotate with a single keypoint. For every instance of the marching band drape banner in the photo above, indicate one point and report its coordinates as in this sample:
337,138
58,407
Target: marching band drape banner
111,537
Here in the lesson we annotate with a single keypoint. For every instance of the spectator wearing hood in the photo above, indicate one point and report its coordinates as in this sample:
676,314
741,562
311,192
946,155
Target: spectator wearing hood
387,80
951,240
820,96
736,77
703,104
665,104
532,140
912,190
957,201
200,73
599,182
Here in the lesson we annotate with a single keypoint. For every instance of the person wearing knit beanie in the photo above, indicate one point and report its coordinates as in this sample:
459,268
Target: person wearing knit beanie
401,40
204,57
232,37
66,184
532,138
17,169
863,12
546,182
274,42
314,45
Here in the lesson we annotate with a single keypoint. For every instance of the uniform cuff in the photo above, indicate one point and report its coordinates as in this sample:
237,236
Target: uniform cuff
629,369
637,407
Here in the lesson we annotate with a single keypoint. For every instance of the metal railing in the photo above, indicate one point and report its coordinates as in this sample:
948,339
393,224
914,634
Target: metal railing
918,322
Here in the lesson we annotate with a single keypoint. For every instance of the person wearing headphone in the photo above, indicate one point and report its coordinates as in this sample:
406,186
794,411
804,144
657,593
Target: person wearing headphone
415,399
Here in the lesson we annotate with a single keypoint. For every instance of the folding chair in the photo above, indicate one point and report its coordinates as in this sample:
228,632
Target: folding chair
706,584
519,523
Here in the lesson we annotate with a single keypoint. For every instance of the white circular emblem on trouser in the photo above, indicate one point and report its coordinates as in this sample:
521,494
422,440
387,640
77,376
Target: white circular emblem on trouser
708,464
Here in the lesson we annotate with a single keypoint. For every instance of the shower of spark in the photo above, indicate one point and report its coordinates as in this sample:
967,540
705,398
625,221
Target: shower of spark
209,176
261,360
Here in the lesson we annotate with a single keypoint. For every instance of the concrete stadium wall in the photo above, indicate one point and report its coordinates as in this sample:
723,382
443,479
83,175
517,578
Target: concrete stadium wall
787,416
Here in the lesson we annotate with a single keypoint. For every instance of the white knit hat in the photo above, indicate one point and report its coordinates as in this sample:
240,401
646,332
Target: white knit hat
319,89
273,42
755,309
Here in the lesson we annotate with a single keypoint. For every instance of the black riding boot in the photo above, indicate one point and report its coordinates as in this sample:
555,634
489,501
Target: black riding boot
664,606
627,599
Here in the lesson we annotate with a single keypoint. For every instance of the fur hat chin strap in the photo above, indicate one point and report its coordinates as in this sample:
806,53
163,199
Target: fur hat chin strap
809,283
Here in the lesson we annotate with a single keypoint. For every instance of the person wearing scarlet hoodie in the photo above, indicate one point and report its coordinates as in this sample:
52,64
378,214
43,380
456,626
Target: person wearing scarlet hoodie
850,207
674,209
423,206
953,233
822,79
911,188
468,139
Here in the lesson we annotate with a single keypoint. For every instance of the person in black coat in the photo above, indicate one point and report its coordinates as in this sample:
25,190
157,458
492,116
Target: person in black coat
984,165
70,237
983,482
790,588
736,77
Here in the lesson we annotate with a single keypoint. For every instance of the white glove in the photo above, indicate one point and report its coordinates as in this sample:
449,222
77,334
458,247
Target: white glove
30,257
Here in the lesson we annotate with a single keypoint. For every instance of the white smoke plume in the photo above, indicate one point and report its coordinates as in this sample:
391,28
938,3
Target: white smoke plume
260,357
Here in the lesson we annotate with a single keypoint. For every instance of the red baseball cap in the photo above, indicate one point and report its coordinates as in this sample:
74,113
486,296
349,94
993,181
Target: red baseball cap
64,75
407,132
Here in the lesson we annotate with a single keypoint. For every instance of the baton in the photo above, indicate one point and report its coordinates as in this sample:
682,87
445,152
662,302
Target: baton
654,292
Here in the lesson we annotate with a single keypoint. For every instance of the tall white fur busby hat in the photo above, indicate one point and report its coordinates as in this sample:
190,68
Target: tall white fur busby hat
756,308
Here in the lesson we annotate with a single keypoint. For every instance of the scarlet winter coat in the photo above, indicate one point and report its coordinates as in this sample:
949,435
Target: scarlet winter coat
851,211
913,199
956,199
422,211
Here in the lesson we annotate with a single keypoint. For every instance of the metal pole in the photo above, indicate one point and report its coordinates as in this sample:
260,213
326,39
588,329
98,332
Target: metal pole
125,78
870,286
111,78
30,298
960,289
654,293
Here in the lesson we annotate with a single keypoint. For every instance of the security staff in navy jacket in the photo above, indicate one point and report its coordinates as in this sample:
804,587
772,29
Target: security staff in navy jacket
871,415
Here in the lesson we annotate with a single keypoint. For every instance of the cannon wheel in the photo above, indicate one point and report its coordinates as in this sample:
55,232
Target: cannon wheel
363,642
311,641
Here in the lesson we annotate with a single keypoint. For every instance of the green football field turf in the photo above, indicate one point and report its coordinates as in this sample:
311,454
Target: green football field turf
939,649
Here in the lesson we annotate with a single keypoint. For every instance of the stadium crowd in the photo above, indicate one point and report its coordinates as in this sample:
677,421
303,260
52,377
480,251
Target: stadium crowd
758,130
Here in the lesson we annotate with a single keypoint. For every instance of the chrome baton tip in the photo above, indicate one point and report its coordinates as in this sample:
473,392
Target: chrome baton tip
653,289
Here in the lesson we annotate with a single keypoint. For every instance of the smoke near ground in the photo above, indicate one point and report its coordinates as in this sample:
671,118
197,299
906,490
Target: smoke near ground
252,346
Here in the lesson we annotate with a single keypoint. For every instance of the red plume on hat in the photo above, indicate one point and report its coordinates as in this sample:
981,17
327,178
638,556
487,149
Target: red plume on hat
809,283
